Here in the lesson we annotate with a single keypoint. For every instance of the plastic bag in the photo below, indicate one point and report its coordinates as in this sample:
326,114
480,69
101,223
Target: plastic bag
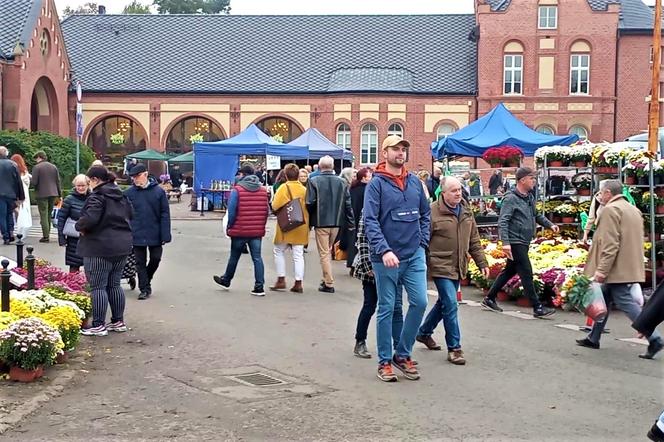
637,294
594,305
224,224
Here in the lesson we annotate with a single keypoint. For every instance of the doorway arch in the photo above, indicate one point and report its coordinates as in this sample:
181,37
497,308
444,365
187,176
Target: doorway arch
44,107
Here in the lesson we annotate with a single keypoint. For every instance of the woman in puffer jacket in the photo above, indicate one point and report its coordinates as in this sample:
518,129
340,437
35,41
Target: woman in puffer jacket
71,208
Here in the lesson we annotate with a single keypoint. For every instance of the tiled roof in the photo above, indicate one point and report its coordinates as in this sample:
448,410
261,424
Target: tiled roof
17,18
273,54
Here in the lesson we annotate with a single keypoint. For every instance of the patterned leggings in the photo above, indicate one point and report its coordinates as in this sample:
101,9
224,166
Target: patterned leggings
104,275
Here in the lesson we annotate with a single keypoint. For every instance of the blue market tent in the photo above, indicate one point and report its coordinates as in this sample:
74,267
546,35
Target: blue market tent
497,128
320,146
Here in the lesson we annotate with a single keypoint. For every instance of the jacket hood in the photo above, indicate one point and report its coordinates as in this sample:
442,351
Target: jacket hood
250,183
398,180
109,190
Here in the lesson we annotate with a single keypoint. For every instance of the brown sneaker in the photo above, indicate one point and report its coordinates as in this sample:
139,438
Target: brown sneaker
385,373
456,357
429,342
406,366
297,287
280,284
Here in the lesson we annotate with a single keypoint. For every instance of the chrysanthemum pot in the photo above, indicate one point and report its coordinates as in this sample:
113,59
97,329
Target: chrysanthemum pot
568,219
630,180
580,164
556,163
21,375
583,192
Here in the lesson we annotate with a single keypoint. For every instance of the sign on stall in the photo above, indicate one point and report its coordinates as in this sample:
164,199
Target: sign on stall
273,162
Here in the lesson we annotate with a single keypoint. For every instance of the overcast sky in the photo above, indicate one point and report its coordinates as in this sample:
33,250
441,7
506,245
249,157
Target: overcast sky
315,7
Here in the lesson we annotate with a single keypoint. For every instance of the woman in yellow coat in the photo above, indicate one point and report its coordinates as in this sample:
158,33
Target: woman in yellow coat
295,239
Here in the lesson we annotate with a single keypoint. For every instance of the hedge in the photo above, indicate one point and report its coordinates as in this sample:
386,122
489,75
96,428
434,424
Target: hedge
61,151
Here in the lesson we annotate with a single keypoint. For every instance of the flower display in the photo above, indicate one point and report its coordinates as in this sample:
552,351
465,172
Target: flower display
117,138
46,274
7,318
67,322
552,153
503,156
30,343
39,301
196,138
566,210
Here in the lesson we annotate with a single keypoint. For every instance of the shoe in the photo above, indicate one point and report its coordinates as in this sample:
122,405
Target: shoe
653,348
44,240
132,282
585,342
297,287
406,366
325,289
95,331
12,238
280,284
222,281
258,291
6,242
143,296
361,351
385,373
118,326
656,434
456,357
428,341
543,312
491,304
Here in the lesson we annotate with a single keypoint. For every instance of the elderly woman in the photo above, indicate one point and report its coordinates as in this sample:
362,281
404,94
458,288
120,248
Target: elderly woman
71,210
304,176
424,175
104,244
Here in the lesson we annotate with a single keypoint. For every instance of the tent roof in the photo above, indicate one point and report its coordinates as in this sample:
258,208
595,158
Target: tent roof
252,141
149,155
320,146
184,158
497,128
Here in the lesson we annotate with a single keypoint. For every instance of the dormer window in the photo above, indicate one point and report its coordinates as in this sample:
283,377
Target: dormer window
547,17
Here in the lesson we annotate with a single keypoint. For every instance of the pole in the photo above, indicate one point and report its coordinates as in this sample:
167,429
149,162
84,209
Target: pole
653,117
30,261
79,125
4,279
19,251
78,154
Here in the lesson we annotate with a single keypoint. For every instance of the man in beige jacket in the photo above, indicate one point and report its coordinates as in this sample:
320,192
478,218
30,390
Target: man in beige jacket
615,260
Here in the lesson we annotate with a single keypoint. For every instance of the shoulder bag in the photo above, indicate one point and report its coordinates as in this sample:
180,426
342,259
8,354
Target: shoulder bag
69,229
290,216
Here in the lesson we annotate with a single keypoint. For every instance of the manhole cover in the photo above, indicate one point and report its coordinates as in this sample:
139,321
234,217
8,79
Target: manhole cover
257,379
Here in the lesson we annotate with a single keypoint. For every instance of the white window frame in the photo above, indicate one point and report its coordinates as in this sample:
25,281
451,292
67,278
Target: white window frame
579,126
441,133
369,144
547,126
545,13
395,129
513,70
579,70
343,135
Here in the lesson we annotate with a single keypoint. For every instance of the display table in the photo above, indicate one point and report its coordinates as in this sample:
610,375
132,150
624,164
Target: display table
223,194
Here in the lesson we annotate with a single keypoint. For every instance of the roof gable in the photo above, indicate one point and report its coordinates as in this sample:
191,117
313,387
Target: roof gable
17,19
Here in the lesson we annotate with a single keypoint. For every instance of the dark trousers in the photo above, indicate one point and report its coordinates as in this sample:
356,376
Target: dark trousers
7,217
45,207
237,244
518,265
368,310
144,268
104,278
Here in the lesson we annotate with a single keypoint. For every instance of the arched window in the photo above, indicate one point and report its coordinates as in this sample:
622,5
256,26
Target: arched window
281,129
179,138
115,137
369,144
513,69
395,129
579,68
444,130
343,136
579,130
545,129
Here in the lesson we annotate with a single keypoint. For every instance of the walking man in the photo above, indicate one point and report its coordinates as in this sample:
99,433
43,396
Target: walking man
516,226
46,182
615,260
453,236
329,205
11,192
247,216
150,226
397,222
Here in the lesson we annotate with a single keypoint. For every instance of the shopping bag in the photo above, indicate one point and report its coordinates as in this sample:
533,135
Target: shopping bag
637,293
224,224
339,255
594,305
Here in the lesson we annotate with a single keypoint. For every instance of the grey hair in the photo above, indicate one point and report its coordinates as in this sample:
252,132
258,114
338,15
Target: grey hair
445,178
4,151
347,174
81,177
326,163
613,186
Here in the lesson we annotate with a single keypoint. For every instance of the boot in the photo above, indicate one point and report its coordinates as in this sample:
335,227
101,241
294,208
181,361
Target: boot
297,287
280,284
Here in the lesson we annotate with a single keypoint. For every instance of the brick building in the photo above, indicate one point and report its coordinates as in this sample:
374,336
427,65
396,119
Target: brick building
575,66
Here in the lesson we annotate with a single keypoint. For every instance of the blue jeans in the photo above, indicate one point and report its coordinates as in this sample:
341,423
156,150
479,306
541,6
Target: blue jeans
369,308
237,245
7,217
445,309
412,274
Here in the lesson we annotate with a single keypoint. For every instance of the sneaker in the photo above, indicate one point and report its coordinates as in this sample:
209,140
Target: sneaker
653,348
222,281
406,366
543,312
491,304
428,341
456,357
585,342
94,331
143,295
118,327
385,373
361,351
325,289
656,434
258,291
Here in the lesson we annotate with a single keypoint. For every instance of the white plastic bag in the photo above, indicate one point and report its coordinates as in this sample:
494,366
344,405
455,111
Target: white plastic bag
224,224
637,294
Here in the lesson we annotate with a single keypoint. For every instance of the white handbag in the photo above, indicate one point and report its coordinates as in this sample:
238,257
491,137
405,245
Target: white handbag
69,229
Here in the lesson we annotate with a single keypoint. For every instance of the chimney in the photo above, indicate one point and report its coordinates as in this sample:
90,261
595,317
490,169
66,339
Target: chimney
102,9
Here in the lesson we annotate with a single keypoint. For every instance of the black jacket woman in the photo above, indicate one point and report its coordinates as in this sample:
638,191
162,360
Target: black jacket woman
71,209
357,202
104,244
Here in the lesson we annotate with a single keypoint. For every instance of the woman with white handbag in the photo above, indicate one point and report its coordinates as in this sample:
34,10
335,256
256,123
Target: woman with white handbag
23,213
69,213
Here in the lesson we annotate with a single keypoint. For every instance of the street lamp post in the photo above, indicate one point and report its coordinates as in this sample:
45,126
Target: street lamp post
79,126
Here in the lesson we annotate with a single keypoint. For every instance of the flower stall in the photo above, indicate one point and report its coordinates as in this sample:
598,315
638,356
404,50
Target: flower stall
505,156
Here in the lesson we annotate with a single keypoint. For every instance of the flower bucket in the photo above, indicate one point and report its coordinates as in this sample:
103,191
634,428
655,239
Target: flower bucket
644,180
555,163
580,164
630,180
568,219
502,296
659,209
21,375
659,191
583,192
557,218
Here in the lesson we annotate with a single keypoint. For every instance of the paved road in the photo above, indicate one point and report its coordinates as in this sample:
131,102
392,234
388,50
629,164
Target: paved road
170,376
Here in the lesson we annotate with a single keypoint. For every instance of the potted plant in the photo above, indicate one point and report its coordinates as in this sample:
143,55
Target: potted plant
567,212
558,158
582,183
580,155
28,345
586,296
68,323
512,156
658,201
506,156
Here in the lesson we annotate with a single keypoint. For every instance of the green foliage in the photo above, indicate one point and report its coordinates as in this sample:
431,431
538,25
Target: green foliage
192,6
136,7
87,8
60,151
577,295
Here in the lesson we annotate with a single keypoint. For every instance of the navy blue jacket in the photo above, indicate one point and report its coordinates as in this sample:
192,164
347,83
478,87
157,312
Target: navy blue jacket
395,220
151,225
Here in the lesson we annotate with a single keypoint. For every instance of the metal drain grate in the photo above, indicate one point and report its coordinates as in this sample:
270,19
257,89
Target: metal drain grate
257,379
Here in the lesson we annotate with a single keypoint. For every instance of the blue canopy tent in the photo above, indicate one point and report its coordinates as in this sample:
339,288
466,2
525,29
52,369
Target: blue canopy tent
218,160
320,146
497,128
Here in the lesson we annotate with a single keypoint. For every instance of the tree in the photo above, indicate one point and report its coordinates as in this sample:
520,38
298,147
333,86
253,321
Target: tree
136,8
192,6
87,8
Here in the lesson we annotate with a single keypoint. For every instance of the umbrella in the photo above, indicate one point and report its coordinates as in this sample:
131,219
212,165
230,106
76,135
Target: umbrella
184,158
149,155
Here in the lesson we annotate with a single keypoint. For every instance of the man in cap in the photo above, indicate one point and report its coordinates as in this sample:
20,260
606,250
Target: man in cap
150,226
516,227
397,222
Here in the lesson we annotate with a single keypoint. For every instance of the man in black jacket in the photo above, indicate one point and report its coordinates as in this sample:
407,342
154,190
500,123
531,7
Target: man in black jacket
328,202
151,226
11,191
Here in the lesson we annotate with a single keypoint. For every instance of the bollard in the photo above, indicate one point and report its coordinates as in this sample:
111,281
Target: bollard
30,262
4,281
19,250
